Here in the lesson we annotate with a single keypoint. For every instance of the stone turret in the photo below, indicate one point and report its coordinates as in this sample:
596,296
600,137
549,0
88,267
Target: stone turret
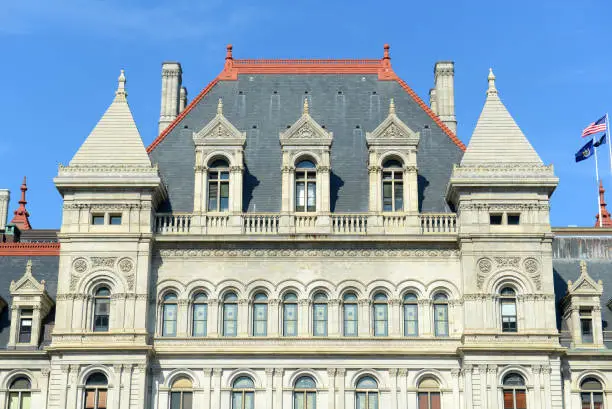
605,215
5,197
171,93
21,217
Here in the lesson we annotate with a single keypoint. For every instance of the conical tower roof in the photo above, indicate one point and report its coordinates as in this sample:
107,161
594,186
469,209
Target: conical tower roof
497,138
115,141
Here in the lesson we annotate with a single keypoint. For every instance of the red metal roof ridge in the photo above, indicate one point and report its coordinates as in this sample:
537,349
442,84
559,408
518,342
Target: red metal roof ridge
322,61
29,249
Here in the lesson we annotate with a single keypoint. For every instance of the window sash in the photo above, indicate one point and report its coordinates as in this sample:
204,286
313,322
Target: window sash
429,400
319,327
392,191
96,398
366,400
19,400
260,320
169,320
350,320
230,320
101,314
25,330
411,320
515,399
218,191
586,329
441,320
290,319
243,400
381,321
305,192
304,400
200,320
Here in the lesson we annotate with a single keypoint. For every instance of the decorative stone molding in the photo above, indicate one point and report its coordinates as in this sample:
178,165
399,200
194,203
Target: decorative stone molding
503,170
486,266
80,265
106,262
265,253
126,265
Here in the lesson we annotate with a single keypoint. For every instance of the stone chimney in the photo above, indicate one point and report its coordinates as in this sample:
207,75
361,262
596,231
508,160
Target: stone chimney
172,77
444,93
5,197
183,99
433,104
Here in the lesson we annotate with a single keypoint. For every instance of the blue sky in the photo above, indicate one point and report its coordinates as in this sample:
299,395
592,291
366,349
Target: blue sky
61,58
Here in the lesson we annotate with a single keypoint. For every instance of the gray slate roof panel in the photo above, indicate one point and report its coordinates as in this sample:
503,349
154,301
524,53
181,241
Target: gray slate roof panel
347,105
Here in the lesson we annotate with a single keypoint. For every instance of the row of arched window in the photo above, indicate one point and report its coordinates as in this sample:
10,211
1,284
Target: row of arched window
290,316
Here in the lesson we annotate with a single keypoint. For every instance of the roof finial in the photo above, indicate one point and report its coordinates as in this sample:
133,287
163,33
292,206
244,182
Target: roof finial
386,54
21,214
391,106
492,90
121,88
306,110
583,267
228,54
29,267
220,107
606,220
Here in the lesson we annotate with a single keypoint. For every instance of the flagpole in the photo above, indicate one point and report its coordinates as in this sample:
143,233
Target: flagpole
597,177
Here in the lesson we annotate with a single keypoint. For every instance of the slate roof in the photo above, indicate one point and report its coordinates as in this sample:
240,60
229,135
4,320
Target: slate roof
349,105
12,268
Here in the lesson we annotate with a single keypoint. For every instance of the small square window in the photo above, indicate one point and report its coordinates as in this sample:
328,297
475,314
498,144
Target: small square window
97,219
495,218
514,218
115,219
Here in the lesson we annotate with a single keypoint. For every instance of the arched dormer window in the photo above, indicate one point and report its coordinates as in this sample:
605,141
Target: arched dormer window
429,394
381,315
260,315
101,316
218,186
507,301
181,394
305,393
319,315
591,394
200,315
350,315
393,186
411,315
515,392
440,307
96,392
306,186
230,315
243,393
169,314
366,393
20,395
290,315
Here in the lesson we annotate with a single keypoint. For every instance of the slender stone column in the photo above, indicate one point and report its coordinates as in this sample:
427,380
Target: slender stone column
216,404
467,370
334,318
182,318
269,388
274,321
364,309
402,374
393,372
303,315
331,388
206,386
243,317
278,380
340,374
214,313
44,388
395,317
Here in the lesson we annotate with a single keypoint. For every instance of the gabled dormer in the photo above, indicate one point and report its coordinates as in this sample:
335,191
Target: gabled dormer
30,305
392,165
582,310
219,166
306,166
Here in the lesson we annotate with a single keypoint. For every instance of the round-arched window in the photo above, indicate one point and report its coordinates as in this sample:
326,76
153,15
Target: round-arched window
411,315
507,299
101,313
260,315
20,395
243,393
305,186
381,315
230,314
181,394
350,315
169,314
429,394
392,186
200,315
305,393
96,391
591,394
319,314
440,306
515,392
218,186
366,393
290,315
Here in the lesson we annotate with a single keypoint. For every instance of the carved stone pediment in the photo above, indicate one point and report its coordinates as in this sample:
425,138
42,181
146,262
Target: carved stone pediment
219,131
585,285
27,283
392,131
306,131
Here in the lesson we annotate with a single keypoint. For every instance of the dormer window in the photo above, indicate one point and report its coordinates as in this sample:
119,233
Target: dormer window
25,326
218,186
393,186
306,187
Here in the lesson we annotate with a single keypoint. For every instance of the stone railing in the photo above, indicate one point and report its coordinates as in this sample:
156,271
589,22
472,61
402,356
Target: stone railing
303,223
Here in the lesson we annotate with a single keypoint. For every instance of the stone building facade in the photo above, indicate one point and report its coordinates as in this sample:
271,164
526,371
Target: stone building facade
305,234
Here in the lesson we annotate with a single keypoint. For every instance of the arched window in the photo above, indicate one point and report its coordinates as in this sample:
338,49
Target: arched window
350,315
181,394
305,393
507,298
440,303
591,394
260,315
393,186
381,315
230,315
366,393
218,186
411,315
19,393
169,313
200,315
243,393
101,309
319,315
429,394
96,391
306,186
515,392
290,315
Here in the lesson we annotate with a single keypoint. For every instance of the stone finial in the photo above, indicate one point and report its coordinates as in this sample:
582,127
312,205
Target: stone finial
28,270
583,267
391,106
21,215
386,55
306,109
121,88
220,107
606,220
229,52
492,90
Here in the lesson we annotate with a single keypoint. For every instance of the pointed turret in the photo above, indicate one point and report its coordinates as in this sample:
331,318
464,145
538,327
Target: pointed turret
21,218
497,138
605,215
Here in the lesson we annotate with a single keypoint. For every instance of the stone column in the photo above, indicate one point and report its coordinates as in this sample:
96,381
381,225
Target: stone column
278,380
13,327
576,331
214,313
492,386
44,388
340,374
118,386
216,381
395,315
269,387
455,387
467,378
425,322
403,381
274,318
243,317
546,370
324,196
411,191
126,387
597,327
142,392
334,327
182,319
303,317
73,394
393,372
365,328
535,370
236,188
331,388
206,386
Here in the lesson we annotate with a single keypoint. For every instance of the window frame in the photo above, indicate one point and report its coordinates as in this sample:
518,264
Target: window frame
320,300
304,392
230,299
306,175
367,391
592,393
20,393
96,389
508,296
408,301
25,314
182,391
100,300
290,300
261,303
586,317
508,387
218,175
380,301
170,299
352,303
200,300
392,174
439,302
243,391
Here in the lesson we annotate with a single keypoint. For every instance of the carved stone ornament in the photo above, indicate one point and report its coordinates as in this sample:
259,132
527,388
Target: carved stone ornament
503,262
485,266
108,262
351,253
531,265
126,265
80,265
73,282
392,132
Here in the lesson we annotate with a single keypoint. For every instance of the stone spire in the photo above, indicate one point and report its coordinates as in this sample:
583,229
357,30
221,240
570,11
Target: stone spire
115,141
21,218
306,109
497,139
605,215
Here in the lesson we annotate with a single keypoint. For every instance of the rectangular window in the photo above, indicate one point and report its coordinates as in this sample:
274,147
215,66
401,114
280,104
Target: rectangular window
350,320
411,323
441,320
230,320
300,197
399,196
495,219
380,320
260,320
101,313
514,218
212,196
97,219
312,196
290,320
169,326
387,196
508,311
320,320
224,196
200,319
115,219
586,326
25,326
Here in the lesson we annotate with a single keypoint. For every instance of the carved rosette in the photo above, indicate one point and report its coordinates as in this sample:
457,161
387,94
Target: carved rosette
529,266
532,268
80,265
485,266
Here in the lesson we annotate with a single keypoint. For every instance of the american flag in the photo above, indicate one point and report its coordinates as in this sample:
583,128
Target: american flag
595,127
